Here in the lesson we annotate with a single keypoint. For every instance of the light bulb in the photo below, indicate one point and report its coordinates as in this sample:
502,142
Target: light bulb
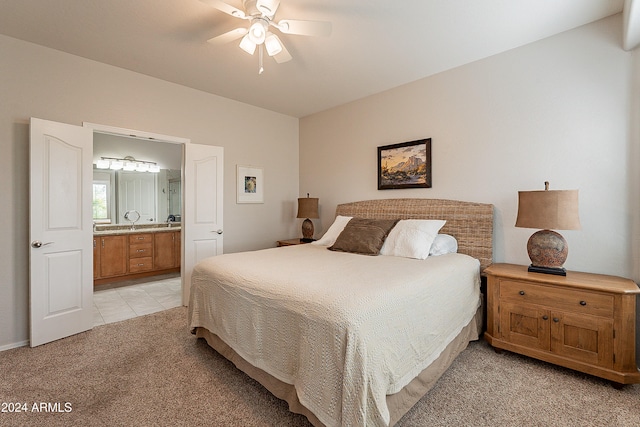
129,166
116,165
102,164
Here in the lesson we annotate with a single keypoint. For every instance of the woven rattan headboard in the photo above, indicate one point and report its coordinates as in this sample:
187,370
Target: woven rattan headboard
470,223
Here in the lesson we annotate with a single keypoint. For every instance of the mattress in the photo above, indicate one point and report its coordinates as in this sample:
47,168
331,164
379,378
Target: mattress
345,330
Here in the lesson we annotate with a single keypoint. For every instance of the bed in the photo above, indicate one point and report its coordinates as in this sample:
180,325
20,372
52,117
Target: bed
345,338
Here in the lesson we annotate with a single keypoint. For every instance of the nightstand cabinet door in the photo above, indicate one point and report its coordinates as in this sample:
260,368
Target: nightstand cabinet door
525,325
585,339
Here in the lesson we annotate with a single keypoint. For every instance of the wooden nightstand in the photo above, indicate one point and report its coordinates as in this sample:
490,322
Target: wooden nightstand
583,321
291,242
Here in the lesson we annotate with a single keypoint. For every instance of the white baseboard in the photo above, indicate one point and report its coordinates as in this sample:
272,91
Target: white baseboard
14,345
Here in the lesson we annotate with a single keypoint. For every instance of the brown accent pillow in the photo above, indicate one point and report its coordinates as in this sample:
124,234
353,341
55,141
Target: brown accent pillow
363,236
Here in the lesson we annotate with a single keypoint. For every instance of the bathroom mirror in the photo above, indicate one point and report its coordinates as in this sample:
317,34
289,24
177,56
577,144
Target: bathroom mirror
156,196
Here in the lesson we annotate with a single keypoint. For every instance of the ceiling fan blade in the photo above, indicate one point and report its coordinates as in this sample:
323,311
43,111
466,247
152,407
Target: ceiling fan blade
304,28
227,37
226,8
283,55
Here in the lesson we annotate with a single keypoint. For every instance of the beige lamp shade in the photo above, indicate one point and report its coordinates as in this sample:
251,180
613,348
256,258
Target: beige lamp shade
548,210
308,207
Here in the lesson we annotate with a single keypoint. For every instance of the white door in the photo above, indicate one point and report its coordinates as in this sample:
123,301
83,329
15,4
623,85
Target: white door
202,212
61,256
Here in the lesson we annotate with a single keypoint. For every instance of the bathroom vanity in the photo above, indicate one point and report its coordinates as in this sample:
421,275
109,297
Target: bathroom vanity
121,253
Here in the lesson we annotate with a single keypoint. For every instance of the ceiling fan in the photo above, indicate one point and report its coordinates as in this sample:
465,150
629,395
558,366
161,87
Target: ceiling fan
260,14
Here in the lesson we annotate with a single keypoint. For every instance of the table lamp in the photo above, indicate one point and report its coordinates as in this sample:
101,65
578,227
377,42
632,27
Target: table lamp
307,208
547,210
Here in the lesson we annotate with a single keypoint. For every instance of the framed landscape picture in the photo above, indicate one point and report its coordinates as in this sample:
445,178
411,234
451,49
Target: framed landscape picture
405,165
250,185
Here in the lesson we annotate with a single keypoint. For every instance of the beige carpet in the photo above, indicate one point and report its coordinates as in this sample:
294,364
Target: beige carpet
150,371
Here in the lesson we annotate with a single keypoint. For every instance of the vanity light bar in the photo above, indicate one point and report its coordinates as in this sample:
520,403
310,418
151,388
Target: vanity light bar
128,164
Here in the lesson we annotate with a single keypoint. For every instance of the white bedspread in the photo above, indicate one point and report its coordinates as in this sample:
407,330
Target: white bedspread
344,329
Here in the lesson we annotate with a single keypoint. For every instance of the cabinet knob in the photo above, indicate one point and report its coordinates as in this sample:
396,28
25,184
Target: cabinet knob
521,292
583,303
545,317
555,319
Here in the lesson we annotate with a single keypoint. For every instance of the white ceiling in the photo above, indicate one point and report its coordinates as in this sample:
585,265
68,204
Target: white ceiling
375,44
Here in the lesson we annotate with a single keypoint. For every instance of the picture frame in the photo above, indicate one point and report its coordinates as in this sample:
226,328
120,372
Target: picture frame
405,165
250,184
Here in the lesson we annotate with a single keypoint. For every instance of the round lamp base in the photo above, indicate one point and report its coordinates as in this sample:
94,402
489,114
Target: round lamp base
548,251
307,230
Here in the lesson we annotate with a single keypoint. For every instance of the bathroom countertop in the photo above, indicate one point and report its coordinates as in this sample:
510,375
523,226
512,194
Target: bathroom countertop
106,230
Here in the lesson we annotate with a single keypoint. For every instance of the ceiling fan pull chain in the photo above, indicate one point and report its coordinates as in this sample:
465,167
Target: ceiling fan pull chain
260,67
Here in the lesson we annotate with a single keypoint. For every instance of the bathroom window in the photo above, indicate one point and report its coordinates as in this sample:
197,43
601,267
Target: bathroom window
101,197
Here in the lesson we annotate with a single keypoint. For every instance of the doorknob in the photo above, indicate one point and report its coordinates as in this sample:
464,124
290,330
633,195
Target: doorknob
219,231
38,244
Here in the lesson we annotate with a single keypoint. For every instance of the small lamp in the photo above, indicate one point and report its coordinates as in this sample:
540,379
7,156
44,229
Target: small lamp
547,210
307,208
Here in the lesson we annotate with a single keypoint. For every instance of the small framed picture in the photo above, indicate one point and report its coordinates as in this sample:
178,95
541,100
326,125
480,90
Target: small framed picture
250,185
405,165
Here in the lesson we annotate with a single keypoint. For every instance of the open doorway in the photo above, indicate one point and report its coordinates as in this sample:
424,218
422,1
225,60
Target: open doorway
137,215
60,221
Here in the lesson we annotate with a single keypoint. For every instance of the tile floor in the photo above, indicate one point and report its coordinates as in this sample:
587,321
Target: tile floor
125,300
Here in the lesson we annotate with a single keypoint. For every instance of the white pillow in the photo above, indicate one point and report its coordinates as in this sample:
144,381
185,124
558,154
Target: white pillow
334,231
412,238
443,244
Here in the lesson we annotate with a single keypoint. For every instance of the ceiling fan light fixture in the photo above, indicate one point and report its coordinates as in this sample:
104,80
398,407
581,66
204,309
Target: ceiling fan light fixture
261,16
247,45
273,44
258,31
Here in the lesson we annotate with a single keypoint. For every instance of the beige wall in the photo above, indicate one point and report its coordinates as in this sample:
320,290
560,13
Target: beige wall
556,110
48,84
633,162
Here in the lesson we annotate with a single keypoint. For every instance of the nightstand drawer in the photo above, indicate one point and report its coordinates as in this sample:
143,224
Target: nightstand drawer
569,300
